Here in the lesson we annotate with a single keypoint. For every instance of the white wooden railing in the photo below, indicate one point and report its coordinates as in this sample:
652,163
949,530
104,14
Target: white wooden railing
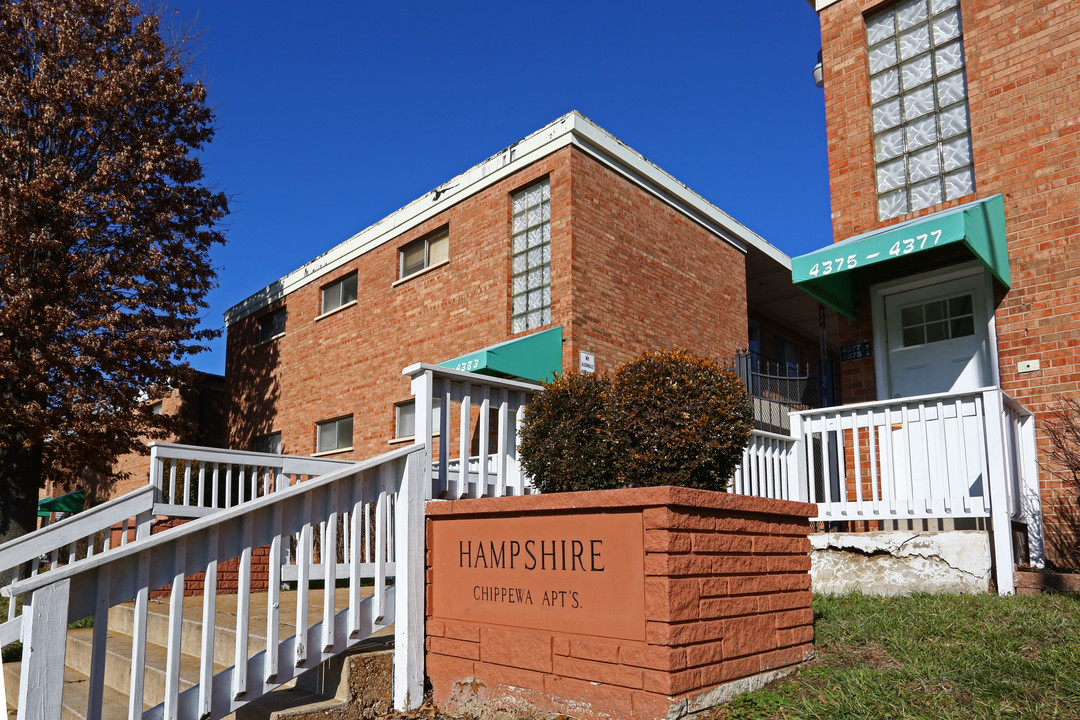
768,464
954,455
486,414
67,542
89,588
196,481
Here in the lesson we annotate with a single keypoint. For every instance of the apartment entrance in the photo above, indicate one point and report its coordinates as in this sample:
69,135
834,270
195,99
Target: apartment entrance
935,334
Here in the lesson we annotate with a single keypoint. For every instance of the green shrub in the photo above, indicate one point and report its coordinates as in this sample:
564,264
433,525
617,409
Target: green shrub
677,419
666,418
563,442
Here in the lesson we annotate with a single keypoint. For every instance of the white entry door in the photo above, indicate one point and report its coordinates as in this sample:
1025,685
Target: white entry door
937,338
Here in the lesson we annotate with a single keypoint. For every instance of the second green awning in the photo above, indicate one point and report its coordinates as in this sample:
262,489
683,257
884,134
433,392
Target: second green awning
827,273
70,503
533,357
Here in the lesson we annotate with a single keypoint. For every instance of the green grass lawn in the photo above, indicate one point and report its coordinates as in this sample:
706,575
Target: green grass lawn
932,656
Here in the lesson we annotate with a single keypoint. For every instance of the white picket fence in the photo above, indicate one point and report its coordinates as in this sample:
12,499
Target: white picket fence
458,411
387,490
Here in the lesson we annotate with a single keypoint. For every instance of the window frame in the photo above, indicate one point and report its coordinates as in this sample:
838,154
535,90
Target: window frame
280,312
319,449
338,284
435,236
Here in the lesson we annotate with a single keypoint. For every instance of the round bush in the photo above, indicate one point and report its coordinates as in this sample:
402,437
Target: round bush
677,419
563,442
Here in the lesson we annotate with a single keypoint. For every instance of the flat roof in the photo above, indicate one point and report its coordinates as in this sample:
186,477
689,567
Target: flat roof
570,129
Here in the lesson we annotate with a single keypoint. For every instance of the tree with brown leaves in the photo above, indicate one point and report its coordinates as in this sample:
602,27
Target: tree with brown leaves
105,231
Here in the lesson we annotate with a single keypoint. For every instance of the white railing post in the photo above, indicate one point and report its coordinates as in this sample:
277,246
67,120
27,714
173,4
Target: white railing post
423,390
44,647
796,459
156,470
409,593
996,455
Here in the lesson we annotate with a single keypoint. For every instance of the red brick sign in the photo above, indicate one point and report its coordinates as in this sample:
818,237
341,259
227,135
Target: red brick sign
574,573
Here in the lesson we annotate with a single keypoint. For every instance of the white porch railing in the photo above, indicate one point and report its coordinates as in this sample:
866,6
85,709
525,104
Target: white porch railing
92,586
196,481
768,464
67,542
954,455
486,414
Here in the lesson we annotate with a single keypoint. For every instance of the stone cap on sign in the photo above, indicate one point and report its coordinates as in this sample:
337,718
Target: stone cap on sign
667,495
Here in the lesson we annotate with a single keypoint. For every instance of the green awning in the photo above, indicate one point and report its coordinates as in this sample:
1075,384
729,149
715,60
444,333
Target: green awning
70,503
533,357
827,273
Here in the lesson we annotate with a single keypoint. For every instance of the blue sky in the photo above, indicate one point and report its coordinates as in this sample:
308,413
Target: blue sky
332,115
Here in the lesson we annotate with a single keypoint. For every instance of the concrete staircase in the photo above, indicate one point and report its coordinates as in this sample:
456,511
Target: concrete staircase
347,685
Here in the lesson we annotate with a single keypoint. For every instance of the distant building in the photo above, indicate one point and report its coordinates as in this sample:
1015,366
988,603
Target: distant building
201,404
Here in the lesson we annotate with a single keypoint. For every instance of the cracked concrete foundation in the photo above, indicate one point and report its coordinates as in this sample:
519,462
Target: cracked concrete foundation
900,563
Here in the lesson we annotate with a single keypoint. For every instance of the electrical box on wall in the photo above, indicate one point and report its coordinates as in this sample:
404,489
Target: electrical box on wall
1026,366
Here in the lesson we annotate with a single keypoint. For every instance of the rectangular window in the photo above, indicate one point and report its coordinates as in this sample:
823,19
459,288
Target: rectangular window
272,325
425,252
938,320
530,294
269,443
338,293
918,95
334,434
405,418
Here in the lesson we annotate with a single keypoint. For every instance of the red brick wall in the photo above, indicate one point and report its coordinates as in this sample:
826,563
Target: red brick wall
629,274
1022,60
351,361
646,276
727,596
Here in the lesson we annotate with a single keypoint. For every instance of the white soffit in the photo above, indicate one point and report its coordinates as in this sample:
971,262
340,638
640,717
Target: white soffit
571,129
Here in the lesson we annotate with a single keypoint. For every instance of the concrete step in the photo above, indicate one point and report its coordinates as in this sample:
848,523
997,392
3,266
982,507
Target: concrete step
118,664
354,686
121,620
75,695
360,680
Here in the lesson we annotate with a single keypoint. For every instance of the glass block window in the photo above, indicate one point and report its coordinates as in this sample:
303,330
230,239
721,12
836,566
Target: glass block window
938,320
918,95
530,292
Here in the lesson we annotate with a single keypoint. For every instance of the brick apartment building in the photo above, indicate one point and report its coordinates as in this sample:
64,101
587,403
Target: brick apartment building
955,123
567,242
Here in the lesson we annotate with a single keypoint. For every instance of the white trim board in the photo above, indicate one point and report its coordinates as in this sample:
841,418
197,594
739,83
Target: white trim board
571,129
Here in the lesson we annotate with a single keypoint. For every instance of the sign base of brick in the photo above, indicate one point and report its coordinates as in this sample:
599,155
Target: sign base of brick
726,610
